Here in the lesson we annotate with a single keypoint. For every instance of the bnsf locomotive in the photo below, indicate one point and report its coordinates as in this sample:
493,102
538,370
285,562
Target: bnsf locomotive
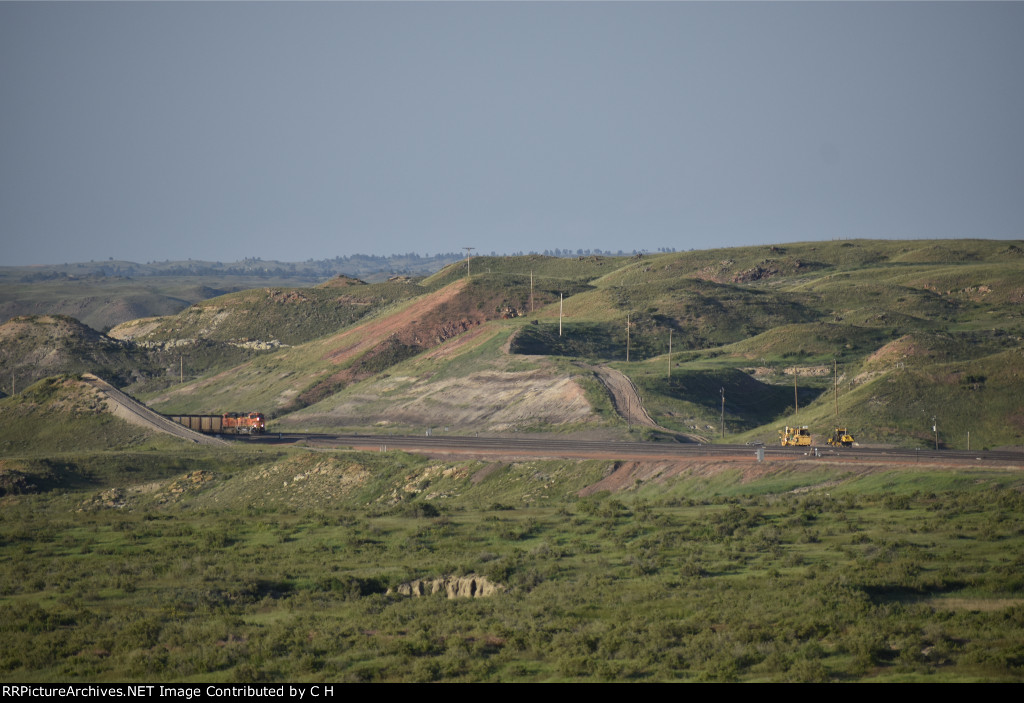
228,423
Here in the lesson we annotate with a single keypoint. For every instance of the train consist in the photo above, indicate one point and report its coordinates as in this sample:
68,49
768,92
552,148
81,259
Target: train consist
228,423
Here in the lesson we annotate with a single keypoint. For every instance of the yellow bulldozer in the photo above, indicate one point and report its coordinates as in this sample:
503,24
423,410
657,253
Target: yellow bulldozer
841,438
795,436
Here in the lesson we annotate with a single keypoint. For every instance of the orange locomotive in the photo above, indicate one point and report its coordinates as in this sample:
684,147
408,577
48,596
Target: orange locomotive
228,423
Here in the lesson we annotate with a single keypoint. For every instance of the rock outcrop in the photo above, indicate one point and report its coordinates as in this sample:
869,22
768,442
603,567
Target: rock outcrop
469,586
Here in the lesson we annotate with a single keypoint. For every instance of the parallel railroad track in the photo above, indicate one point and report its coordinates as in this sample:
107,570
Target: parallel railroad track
568,448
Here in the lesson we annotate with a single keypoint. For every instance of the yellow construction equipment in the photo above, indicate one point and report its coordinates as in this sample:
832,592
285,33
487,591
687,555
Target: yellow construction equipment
841,438
795,436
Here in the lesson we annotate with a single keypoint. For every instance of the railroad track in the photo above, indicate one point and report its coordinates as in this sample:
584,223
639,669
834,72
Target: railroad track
572,449
131,410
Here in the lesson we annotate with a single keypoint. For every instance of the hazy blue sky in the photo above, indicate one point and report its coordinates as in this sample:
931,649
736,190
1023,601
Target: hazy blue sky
294,130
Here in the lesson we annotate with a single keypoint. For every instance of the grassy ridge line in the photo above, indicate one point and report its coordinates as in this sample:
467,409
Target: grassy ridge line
583,269
364,349
105,302
274,380
64,414
103,294
768,308
286,315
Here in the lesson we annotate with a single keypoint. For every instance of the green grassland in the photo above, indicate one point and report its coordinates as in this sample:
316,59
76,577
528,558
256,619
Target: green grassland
238,564
131,557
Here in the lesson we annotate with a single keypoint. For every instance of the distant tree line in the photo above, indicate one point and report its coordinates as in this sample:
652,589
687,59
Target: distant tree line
410,263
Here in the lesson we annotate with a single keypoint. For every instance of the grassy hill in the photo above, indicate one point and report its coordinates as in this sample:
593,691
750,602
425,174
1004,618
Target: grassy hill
36,346
133,557
306,374
911,325
266,317
103,294
64,414
765,314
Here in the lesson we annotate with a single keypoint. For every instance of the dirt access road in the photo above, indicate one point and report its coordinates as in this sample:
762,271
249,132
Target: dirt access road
627,401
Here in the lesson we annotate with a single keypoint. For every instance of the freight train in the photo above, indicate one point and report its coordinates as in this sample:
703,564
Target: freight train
228,423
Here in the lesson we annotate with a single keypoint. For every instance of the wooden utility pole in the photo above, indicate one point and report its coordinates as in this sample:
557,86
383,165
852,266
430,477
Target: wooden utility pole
796,398
670,353
835,386
559,314
531,292
469,255
627,337
181,369
723,413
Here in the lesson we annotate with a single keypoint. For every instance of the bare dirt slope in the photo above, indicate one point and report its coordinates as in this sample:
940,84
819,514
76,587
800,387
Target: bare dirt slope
363,337
489,394
130,410
489,401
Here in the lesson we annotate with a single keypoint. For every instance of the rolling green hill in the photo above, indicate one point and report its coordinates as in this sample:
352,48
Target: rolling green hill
103,294
137,557
911,325
63,414
267,317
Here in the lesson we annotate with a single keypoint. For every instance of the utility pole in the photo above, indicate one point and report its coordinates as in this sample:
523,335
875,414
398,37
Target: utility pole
796,398
670,353
531,292
181,369
723,412
627,337
559,314
469,254
835,386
